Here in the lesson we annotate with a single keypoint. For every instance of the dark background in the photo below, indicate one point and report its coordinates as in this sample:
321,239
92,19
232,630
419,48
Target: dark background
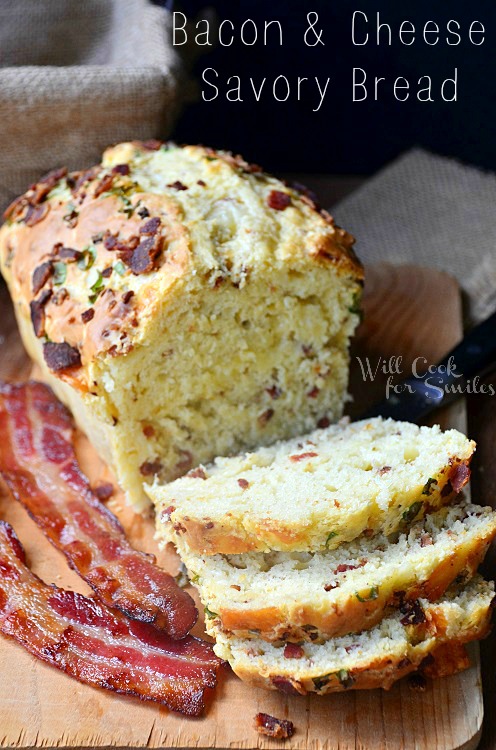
346,136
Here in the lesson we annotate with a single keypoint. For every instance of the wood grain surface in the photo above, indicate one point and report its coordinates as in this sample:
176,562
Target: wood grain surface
410,312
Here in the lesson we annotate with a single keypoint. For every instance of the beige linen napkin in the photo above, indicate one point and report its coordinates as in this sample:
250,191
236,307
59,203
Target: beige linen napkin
77,76
432,211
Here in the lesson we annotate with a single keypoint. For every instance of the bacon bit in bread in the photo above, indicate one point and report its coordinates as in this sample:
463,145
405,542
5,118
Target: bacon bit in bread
148,430
209,525
104,185
35,214
243,483
37,308
109,240
151,144
177,185
331,586
413,613
15,208
280,729
151,226
69,254
265,417
323,423
314,392
149,468
41,274
143,212
384,470
88,315
278,200
87,176
166,513
103,490
121,169
274,392
107,272
127,296
143,259
60,296
426,540
201,183
293,651
344,567
185,461
459,476
198,473
302,456
61,356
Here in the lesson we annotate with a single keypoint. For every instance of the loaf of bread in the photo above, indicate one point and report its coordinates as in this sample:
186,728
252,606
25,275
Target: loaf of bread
318,491
375,658
183,304
300,596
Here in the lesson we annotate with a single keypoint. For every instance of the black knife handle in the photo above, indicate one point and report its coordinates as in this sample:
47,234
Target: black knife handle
413,398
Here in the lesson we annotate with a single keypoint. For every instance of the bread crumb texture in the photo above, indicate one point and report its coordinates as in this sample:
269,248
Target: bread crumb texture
183,303
303,596
374,658
316,492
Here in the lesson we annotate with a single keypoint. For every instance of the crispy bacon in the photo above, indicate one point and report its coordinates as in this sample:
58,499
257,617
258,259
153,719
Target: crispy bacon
38,462
83,638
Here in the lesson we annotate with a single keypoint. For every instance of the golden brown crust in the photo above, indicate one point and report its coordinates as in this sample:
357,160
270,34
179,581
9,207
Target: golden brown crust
207,537
96,215
273,624
443,660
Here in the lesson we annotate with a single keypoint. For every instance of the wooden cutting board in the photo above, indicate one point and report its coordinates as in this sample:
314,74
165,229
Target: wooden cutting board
410,312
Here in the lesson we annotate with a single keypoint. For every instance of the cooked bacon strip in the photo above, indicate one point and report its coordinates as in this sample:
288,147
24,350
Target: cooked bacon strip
38,462
83,638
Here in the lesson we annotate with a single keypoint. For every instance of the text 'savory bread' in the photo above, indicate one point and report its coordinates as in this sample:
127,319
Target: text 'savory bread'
300,596
183,303
375,658
318,491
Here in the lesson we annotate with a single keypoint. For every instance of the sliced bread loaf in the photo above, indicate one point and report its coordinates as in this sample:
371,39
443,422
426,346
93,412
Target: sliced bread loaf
318,491
374,658
301,596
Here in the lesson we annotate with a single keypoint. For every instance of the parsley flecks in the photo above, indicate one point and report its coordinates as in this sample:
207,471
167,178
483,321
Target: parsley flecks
410,513
120,268
329,537
210,614
368,597
59,273
96,282
322,681
87,259
428,486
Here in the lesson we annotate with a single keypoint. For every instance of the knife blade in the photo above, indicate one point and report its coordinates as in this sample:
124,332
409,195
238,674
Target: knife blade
416,397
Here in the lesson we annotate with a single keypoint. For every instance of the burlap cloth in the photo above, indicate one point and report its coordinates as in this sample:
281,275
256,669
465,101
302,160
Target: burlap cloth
79,75
76,76
432,211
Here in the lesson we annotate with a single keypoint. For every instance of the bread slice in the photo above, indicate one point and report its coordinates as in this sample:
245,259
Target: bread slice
374,658
318,491
300,596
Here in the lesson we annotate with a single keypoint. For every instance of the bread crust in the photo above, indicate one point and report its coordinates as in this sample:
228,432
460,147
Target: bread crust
353,616
105,202
424,642
448,659
230,535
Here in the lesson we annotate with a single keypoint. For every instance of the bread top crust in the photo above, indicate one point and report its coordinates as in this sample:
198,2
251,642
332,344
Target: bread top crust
91,255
